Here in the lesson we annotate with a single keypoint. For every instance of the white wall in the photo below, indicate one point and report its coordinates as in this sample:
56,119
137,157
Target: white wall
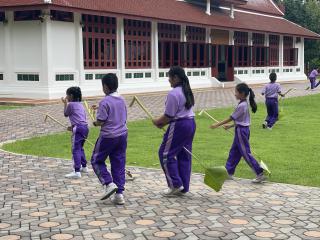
23,55
64,46
26,45
2,53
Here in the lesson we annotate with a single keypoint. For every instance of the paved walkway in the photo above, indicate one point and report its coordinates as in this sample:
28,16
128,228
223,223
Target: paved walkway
37,202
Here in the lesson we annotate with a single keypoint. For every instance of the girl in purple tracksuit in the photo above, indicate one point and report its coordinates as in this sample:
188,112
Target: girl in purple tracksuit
112,142
241,146
271,92
313,77
74,109
174,159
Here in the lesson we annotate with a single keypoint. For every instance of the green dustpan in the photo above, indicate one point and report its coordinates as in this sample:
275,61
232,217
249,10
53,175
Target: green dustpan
215,177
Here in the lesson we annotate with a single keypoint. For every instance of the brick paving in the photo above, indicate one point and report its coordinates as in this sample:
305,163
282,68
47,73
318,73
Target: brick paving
37,202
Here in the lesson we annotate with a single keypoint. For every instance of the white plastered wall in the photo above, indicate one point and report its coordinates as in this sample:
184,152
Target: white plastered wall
22,55
2,48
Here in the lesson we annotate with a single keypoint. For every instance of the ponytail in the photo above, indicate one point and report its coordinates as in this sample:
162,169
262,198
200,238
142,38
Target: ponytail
244,88
253,103
184,83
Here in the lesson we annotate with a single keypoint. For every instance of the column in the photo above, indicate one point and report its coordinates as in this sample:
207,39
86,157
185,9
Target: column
301,56
281,54
208,41
9,75
231,37
121,58
266,44
47,75
183,33
79,49
208,11
154,50
250,43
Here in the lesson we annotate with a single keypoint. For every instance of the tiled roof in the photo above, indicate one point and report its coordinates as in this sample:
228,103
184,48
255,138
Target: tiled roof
178,11
262,6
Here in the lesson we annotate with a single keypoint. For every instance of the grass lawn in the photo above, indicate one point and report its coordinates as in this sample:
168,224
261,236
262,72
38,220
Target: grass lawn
290,149
8,107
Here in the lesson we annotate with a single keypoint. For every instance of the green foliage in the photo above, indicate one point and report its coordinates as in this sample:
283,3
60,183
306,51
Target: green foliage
306,14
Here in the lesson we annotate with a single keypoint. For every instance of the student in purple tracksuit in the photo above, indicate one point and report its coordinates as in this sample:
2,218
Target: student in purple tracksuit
313,77
241,146
112,142
74,109
174,159
271,92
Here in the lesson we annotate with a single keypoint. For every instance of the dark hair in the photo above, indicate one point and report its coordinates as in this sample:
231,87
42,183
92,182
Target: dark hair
184,82
273,77
244,88
75,92
111,81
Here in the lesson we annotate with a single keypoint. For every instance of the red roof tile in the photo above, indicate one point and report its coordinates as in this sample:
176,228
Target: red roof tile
176,11
262,6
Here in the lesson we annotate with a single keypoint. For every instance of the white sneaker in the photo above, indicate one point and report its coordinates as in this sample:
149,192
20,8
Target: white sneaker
259,179
265,124
231,177
84,170
73,175
269,128
172,191
118,199
110,189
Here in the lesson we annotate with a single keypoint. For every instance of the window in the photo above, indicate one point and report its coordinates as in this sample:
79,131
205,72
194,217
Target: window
260,53
28,77
27,15
274,43
241,38
290,54
137,41
242,56
195,50
1,76
138,75
89,76
61,16
169,45
2,16
99,76
128,75
242,50
99,42
64,77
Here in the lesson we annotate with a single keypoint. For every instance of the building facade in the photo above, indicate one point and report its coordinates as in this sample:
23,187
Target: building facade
47,46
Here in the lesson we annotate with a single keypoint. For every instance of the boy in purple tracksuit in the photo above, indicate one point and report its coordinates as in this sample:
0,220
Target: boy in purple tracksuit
74,109
312,77
271,92
174,159
241,146
112,142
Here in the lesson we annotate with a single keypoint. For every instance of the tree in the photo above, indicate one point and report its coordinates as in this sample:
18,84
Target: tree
307,14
